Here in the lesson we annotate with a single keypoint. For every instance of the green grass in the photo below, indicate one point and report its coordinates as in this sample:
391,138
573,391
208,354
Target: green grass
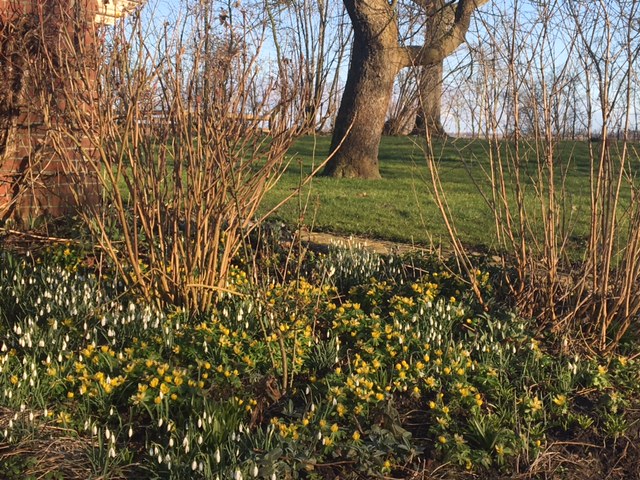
400,207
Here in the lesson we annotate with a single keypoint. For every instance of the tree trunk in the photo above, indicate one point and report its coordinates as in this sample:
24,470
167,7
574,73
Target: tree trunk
367,93
429,116
376,58
439,21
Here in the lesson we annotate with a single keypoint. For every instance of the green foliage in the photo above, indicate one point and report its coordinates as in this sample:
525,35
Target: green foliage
292,379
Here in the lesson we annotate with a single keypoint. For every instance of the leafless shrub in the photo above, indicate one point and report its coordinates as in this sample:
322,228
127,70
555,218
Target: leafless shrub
543,76
187,131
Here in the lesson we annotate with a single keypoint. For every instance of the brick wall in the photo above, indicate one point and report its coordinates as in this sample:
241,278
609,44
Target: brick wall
36,160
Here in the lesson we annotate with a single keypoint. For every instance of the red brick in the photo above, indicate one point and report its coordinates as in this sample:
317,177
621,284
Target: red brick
29,146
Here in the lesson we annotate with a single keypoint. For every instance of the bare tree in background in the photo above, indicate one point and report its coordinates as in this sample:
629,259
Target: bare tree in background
376,59
315,37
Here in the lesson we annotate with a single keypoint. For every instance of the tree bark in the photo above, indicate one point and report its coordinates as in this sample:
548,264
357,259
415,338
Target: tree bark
376,58
367,93
440,18
429,116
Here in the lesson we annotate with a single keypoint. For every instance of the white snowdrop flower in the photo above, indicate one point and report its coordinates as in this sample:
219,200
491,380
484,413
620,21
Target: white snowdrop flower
254,472
4,347
41,343
319,435
199,423
185,442
130,432
31,416
237,475
217,455
60,358
159,458
194,465
200,439
307,390
171,442
111,411
201,467
107,433
23,407
160,422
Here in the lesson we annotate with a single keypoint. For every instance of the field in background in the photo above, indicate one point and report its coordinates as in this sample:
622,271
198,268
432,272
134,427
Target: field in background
400,207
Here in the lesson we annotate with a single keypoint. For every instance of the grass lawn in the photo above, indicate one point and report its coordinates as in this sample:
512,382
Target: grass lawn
400,207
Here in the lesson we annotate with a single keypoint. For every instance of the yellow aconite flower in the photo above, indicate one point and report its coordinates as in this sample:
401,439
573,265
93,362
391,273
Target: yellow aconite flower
154,382
560,400
442,439
535,404
335,428
356,436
